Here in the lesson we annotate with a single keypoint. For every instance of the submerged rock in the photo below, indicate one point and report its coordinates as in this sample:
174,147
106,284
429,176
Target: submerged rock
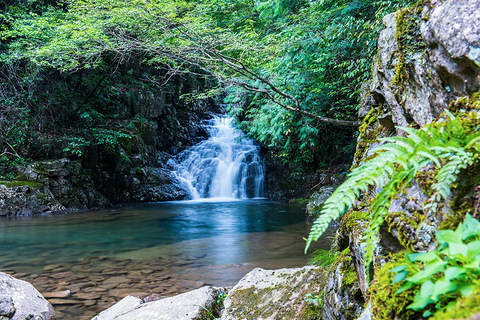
19,300
194,305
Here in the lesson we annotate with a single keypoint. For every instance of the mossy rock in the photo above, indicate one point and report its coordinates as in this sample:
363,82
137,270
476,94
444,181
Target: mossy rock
18,183
343,298
277,294
386,304
464,308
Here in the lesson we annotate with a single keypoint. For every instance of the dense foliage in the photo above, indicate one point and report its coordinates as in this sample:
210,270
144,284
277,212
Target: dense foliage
65,65
443,275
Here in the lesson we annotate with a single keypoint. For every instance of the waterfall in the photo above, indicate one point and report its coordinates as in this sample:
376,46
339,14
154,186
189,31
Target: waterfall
226,165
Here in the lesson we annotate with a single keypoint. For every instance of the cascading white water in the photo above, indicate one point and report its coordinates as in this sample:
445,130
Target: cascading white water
226,165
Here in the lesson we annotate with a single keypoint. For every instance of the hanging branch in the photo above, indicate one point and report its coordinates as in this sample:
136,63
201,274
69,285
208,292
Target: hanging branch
203,54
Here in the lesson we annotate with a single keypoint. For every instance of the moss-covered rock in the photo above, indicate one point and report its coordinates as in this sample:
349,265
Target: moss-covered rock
464,308
343,298
385,302
277,294
424,65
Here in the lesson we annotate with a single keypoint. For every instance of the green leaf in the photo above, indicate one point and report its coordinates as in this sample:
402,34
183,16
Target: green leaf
467,289
448,236
423,256
458,250
473,249
423,297
399,268
471,227
442,287
428,272
453,273
405,286
400,276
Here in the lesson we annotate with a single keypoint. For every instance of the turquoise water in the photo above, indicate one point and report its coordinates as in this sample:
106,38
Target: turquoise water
211,233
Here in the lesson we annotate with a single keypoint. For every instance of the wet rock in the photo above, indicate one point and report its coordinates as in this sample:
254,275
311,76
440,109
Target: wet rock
189,305
25,298
367,313
22,198
343,298
274,294
57,294
123,306
318,198
457,44
415,83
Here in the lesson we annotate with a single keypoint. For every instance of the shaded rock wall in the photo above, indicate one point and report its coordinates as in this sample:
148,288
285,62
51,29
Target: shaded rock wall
126,164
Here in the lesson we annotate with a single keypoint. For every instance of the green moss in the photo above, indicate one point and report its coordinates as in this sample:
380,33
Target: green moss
468,103
353,218
406,224
370,129
126,144
41,196
386,304
400,74
409,41
299,202
407,34
464,308
299,302
347,268
40,168
17,183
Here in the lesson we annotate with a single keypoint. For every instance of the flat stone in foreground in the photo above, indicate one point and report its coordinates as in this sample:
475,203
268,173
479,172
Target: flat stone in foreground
192,305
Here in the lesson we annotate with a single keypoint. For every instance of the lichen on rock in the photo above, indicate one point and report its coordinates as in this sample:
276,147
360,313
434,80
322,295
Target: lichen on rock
277,294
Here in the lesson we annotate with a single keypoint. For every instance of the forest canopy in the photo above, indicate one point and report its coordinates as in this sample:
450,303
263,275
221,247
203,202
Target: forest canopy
282,67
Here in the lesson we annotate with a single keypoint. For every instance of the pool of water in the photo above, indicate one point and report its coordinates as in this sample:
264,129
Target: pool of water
184,244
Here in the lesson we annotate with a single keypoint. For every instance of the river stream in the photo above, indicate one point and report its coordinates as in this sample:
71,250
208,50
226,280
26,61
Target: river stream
158,248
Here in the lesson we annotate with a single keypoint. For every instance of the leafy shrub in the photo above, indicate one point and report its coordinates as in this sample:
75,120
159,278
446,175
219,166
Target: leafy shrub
323,257
443,275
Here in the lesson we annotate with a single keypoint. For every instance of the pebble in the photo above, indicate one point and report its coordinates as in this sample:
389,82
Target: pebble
64,301
57,294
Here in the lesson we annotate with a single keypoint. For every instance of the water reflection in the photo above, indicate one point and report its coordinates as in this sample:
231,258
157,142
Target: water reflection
217,232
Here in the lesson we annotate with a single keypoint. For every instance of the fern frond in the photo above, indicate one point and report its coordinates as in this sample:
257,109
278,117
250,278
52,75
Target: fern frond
445,143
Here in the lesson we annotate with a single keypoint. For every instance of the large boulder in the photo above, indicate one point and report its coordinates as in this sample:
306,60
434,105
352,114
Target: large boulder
428,60
276,294
427,57
19,300
202,303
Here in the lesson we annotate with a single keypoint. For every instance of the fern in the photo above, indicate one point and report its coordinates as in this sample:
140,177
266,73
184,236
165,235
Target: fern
446,143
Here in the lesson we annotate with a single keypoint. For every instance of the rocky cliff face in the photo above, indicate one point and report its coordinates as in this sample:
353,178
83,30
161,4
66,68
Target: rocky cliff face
128,163
428,62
